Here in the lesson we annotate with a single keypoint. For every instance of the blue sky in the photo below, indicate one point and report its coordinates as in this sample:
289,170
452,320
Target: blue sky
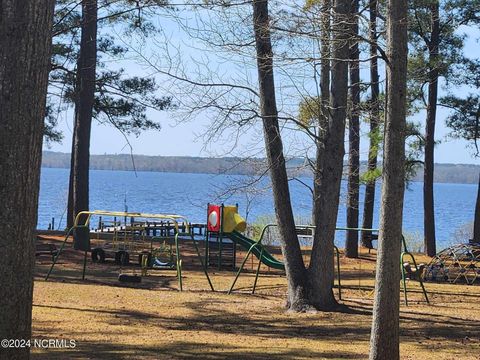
186,139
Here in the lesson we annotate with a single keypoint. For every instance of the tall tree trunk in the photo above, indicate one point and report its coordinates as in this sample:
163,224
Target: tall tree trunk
70,205
25,45
353,192
476,223
84,106
384,339
321,269
369,202
294,265
70,212
428,202
324,98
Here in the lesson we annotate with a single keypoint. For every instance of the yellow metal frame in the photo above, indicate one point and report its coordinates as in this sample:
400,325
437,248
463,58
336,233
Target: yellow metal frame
174,218
83,219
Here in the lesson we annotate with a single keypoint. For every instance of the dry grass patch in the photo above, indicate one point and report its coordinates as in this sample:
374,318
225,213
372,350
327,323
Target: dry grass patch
152,320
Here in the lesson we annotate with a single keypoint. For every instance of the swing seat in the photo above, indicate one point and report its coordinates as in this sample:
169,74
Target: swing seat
413,274
129,278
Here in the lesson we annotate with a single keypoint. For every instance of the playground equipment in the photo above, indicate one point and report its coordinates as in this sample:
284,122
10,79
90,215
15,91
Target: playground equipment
131,238
231,225
224,222
409,273
220,250
127,239
256,248
457,264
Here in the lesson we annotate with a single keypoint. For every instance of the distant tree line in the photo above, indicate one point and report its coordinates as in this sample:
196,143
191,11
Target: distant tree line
444,173
181,164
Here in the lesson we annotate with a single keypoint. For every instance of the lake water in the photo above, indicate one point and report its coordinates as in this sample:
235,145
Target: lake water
188,195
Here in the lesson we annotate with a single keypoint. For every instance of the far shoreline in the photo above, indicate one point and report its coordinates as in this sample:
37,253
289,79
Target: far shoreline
303,175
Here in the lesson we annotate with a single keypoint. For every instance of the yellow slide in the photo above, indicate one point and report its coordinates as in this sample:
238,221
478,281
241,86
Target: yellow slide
232,221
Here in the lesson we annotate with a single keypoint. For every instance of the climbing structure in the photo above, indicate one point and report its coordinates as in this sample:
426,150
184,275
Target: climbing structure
457,264
81,238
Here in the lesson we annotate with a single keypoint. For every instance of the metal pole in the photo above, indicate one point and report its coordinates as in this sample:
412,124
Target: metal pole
201,261
258,270
241,267
59,252
338,273
220,239
406,252
179,263
84,264
207,239
403,279
420,280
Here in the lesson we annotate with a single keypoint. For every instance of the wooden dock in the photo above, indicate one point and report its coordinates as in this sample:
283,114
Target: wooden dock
150,229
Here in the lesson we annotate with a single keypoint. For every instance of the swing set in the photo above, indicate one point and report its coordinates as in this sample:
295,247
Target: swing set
224,222
131,238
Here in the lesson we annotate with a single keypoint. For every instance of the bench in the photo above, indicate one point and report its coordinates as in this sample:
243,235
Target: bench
46,249
304,231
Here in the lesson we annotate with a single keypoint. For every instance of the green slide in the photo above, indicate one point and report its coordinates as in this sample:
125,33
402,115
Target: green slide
265,257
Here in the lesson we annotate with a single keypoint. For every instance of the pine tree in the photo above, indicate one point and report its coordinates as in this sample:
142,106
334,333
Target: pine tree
437,47
25,45
385,334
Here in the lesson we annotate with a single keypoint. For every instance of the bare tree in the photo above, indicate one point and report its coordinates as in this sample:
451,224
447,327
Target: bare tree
429,163
369,200
325,70
294,264
327,198
353,192
329,161
25,45
384,339
233,102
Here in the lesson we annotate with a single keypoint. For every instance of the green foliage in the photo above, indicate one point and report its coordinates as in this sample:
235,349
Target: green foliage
255,229
416,80
376,138
415,146
452,15
120,100
310,111
50,133
468,74
370,176
413,153
309,4
464,120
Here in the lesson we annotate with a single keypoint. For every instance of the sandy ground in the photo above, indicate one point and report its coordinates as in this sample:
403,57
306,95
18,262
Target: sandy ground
153,320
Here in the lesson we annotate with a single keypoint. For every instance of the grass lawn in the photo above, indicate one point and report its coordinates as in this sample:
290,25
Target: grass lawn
152,320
